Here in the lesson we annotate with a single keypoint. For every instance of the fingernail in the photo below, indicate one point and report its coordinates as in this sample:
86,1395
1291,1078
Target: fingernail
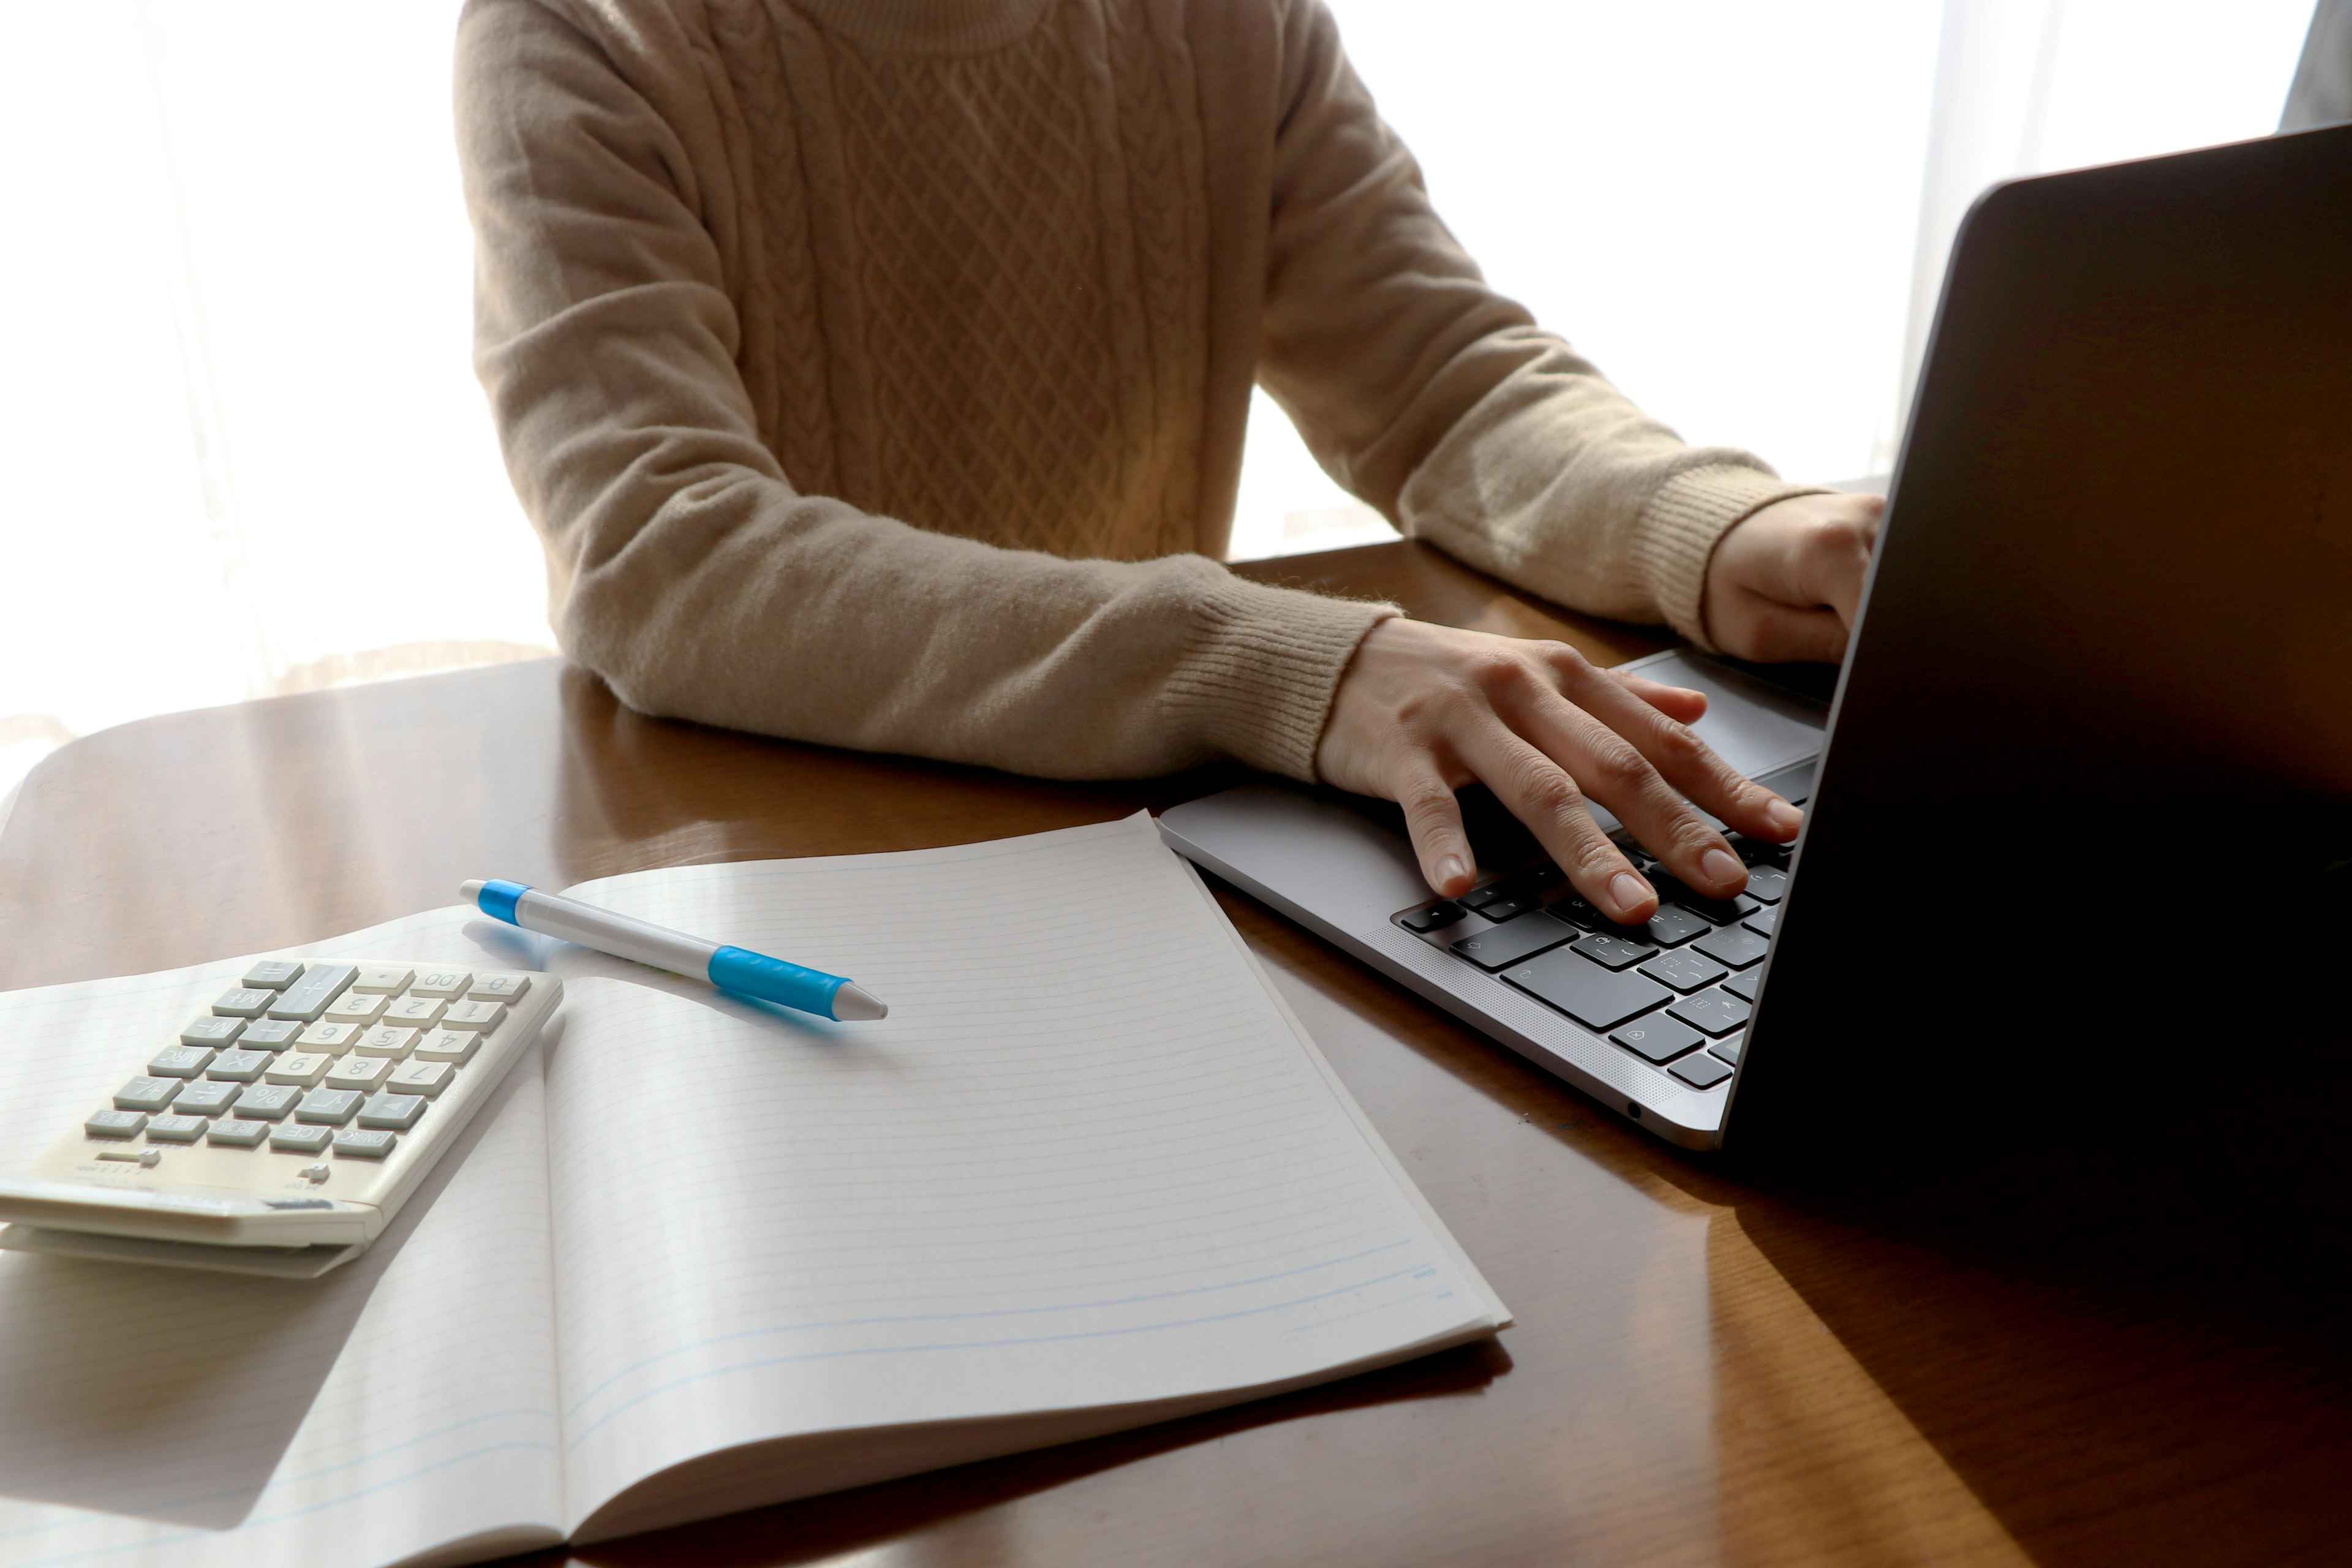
1629,891
1450,870
1721,866
1784,817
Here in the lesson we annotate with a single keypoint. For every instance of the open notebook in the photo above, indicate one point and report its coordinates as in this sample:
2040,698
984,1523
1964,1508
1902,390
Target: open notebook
702,1255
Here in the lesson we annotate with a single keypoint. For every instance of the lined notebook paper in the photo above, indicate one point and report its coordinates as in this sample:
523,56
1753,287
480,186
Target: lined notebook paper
1090,1171
152,1416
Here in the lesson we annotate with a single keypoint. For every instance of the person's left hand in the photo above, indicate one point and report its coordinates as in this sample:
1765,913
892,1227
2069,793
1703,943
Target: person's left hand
1785,582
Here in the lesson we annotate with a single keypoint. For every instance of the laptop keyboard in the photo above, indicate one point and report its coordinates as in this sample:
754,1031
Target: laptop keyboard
1674,992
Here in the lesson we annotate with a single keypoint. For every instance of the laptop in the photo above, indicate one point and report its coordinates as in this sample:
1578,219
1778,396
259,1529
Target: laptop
2078,801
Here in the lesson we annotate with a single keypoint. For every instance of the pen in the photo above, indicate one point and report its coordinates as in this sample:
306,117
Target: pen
735,969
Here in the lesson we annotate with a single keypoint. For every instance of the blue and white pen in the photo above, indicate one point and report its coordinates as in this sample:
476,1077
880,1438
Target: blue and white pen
735,969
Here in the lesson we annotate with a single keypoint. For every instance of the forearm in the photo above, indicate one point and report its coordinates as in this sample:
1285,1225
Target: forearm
1557,483
1442,402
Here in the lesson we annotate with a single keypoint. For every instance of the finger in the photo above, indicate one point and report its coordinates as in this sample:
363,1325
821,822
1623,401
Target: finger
1432,820
1545,797
1785,634
1842,592
1679,703
1614,770
1688,765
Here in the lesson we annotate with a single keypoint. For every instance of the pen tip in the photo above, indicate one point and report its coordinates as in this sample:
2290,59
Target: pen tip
471,892
853,1005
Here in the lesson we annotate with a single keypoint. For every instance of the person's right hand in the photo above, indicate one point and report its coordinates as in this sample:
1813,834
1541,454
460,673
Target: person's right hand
1423,710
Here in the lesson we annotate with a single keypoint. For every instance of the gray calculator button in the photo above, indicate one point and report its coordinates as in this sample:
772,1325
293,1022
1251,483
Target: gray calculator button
498,987
397,1112
115,1124
333,1037
146,1094
267,1102
248,1002
382,977
300,1140
359,1072
303,1068
270,1033
425,1078
273,974
355,1007
208,1098
414,1012
238,1066
234,1135
479,1016
181,1061
212,1031
363,1143
441,983
309,996
175,1129
448,1046
329,1107
386,1040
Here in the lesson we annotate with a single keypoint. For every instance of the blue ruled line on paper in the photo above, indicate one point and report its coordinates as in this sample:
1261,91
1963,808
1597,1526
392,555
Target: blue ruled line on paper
985,1344
965,1317
91,1555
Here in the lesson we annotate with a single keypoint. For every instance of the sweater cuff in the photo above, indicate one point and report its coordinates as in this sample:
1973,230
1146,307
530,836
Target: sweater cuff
1256,682
1684,520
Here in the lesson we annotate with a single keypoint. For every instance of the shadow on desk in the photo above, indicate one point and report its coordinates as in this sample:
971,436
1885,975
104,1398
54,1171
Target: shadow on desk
2111,1338
2128,1344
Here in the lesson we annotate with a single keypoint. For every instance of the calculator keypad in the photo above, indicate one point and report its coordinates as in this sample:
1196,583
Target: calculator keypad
308,1059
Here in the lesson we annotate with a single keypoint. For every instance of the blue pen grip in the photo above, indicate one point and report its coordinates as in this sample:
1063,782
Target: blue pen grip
749,974
498,900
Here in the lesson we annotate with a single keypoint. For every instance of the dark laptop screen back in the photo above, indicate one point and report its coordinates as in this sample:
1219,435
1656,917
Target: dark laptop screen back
2100,712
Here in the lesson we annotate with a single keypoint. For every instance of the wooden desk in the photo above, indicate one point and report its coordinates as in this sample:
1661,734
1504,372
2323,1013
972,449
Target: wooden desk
2005,1368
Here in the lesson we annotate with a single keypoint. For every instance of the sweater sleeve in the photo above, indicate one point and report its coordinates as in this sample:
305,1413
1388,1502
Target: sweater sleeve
686,570
1443,404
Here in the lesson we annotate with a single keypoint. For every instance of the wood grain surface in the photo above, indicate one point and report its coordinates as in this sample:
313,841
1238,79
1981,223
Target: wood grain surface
2047,1358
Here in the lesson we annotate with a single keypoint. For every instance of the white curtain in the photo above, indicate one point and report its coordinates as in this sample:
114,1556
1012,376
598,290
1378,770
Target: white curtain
2322,94
245,453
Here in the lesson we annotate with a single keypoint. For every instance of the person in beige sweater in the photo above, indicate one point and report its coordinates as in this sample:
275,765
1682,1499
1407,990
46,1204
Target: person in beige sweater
875,373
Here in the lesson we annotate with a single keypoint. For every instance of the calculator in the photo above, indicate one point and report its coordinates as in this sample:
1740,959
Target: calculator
280,1131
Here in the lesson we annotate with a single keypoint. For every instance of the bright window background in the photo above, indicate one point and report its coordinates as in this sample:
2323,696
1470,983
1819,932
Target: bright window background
1726,205
245,453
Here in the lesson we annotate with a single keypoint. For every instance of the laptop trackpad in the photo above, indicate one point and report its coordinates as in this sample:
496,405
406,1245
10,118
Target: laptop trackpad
1755,726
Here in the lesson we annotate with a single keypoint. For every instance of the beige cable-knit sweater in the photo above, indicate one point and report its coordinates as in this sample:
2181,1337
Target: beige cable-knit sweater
876,370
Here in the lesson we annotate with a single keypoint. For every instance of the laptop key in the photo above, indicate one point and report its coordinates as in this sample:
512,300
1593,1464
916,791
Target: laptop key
1658,1038
1729,1046
1586,992
1507,944
1615,951
1734,945
1720,912
1671,927
1763,922
1701,1071
1479,898
1684,971
1745,984
1711,1012
1578,910
1431,918
1768,883
1508,909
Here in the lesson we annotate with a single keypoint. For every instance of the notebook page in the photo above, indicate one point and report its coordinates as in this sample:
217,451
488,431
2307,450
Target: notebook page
163,1415
1086,1160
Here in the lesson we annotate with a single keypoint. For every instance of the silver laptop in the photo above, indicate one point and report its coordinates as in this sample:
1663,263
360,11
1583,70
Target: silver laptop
2087,770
